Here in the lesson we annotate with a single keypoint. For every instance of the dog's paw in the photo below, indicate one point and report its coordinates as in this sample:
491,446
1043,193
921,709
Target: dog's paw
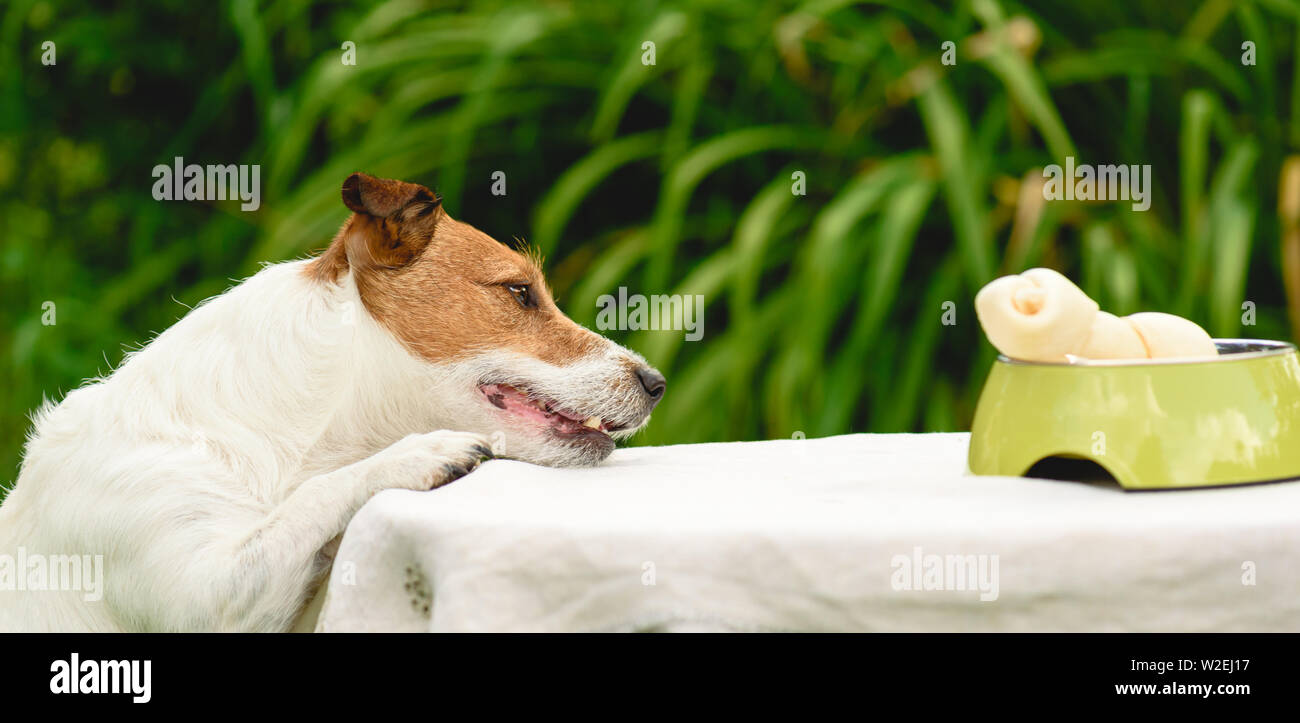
425,461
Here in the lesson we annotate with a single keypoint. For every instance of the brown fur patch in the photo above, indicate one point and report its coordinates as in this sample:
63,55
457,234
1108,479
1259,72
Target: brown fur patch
440,285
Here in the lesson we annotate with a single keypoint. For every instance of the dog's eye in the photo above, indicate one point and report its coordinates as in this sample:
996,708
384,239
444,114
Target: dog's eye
522,294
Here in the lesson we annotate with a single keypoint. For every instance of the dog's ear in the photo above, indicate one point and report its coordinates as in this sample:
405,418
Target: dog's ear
382,197
393,221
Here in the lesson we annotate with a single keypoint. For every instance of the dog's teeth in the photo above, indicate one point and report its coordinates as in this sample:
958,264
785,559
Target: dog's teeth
593,422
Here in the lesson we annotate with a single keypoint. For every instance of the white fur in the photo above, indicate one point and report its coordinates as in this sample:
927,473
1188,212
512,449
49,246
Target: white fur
215,464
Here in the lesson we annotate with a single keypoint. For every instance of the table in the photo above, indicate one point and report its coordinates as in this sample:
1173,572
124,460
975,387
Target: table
852,533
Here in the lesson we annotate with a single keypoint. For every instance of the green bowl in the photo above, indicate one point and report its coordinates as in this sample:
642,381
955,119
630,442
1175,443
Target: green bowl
1150,424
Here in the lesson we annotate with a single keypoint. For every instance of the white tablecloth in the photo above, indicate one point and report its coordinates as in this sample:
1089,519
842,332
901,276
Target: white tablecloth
813,535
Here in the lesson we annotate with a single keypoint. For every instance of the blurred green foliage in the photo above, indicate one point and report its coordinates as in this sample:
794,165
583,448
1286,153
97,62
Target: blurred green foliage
824,309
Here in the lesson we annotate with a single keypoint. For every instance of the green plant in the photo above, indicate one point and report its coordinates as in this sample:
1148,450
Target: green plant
824,309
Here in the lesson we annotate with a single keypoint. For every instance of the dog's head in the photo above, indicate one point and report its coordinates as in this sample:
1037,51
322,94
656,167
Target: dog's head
504,360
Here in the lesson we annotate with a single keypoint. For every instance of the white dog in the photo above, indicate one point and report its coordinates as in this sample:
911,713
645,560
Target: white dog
215,467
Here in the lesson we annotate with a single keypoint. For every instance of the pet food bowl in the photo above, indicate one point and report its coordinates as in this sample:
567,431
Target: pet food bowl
1151,424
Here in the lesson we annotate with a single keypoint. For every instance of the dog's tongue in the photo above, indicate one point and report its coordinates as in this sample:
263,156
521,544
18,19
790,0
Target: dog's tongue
504,396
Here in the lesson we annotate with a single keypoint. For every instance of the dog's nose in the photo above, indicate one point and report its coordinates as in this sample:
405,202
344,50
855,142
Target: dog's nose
652,382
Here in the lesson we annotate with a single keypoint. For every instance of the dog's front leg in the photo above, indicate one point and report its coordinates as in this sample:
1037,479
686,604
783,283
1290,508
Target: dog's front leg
274,564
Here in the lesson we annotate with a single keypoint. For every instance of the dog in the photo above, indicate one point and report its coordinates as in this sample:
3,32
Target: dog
216,469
